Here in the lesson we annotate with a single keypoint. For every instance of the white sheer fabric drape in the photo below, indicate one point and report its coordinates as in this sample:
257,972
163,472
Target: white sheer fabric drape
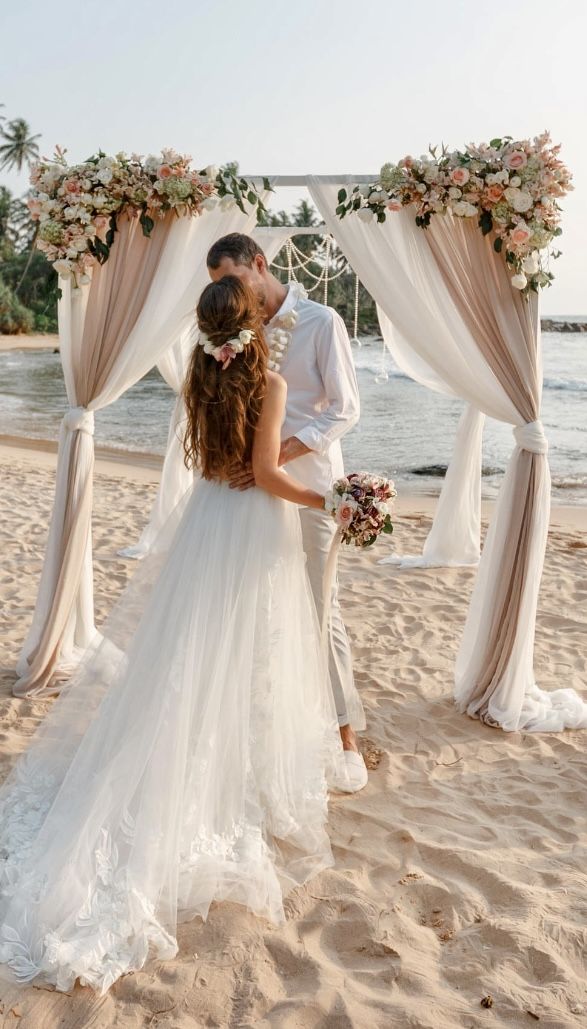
176,479
165,314
455,535
396,263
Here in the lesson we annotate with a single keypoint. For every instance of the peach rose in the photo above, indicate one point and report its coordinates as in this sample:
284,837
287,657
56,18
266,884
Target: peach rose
460,176
34,207
71,186
521,234
100,224
164,172
494,193
394,205
517,159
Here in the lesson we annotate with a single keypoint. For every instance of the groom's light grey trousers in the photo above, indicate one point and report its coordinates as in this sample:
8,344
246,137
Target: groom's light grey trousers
318,529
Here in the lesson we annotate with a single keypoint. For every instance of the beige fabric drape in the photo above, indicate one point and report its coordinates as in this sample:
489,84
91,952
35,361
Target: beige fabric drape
505,325
116,297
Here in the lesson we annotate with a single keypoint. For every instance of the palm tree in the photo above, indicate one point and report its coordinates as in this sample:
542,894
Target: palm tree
20,147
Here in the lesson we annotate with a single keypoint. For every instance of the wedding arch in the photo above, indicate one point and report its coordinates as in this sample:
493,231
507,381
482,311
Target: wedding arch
451,312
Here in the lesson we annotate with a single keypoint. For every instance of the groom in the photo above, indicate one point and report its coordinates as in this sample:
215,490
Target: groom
310,347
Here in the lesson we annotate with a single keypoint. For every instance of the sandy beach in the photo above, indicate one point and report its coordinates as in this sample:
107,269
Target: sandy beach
460,869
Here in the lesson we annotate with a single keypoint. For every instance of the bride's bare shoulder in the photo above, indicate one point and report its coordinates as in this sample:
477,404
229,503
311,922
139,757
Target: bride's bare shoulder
276,385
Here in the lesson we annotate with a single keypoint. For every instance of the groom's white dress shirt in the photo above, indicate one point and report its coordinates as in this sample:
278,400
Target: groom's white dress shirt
322,392
322,404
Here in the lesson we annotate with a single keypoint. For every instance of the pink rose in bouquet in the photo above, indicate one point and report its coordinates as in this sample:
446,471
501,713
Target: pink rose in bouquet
360,504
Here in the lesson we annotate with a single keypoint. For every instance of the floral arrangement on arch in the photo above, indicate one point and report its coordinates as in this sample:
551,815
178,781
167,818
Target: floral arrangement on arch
77,205
512,187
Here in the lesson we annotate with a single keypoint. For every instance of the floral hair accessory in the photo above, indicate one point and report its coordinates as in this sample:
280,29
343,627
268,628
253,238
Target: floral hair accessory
227,352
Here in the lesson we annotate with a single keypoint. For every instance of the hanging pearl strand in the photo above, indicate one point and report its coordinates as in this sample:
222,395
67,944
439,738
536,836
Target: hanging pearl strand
302,262
355,338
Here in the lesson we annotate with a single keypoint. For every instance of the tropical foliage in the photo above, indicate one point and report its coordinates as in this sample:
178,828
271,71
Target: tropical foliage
28,285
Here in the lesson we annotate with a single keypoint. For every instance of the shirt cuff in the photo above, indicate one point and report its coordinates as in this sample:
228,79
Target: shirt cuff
312,438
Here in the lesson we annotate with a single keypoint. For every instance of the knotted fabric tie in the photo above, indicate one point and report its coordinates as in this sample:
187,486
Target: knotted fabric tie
531,437
79,419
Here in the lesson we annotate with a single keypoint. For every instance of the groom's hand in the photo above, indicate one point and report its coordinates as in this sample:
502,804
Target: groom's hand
241,477
292,448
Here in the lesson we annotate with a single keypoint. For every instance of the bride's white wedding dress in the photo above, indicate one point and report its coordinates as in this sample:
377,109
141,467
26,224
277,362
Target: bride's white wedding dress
187,760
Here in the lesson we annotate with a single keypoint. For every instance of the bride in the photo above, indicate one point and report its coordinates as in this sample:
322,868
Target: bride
188,758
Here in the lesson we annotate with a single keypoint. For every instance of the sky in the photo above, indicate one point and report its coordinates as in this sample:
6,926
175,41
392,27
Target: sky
306,86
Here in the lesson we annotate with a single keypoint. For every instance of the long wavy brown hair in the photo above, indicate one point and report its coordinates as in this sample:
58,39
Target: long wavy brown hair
223,406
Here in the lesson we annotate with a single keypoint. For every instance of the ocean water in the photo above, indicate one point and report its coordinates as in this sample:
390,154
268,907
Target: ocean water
405,431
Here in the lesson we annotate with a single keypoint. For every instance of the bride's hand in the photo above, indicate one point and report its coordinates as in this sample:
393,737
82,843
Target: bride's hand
241,477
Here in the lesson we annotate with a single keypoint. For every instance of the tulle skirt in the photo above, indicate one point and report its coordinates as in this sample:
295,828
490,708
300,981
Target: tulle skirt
185,762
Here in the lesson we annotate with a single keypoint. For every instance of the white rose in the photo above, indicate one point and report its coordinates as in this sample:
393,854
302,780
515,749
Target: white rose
522,202
151,164
464,209
365,214
80,244
365,191
212,171
530,264
63,268
421,187
104,176
72,253
455,192
515,180
519,281
510,194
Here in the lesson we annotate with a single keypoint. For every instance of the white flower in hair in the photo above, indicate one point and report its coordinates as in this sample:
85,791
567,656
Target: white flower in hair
226,352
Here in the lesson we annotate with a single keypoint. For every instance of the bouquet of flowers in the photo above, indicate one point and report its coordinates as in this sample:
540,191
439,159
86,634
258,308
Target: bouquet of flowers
360,504
510,186
77,205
